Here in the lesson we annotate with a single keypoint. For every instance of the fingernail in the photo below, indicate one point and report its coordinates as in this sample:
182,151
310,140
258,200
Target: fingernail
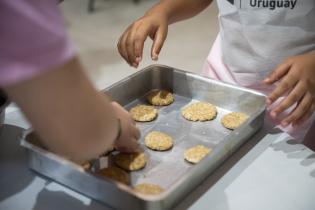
266,80
268,101
273,114
155,57
284,123
138,59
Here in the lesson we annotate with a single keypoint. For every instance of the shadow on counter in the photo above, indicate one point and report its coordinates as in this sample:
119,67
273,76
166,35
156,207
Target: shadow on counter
14,175
49,199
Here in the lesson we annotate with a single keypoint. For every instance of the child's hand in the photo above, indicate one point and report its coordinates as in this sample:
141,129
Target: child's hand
130,44
127,142
296,77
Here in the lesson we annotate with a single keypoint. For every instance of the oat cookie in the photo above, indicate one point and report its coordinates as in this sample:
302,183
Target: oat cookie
116,174
149,189
160,97
196,153
233,120
130,162
156,140
199,111
143,113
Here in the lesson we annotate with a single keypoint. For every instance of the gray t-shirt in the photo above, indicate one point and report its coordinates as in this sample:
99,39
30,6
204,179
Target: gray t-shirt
257,35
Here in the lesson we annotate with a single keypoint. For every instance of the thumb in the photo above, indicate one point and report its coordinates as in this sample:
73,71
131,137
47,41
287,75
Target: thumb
158,42
130,146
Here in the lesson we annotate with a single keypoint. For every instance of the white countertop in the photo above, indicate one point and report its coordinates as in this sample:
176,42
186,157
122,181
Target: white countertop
269,172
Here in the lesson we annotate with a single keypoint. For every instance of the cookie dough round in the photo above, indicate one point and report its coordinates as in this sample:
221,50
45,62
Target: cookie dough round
160,97
156,140
143,113
116,174
148,189
196,153
233,120
199,111
130,162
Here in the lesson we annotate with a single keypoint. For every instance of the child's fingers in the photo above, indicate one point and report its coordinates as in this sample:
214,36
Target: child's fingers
133,145
278,73
130,46
286,84
159,39
295,95
306,116
136,133
299,111
120,108
119,46
123,50
139,44
140,38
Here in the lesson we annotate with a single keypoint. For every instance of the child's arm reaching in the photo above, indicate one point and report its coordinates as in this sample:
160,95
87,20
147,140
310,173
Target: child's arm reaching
71,117
154,24
296,76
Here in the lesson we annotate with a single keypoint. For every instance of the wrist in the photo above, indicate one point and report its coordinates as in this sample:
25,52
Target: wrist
161,11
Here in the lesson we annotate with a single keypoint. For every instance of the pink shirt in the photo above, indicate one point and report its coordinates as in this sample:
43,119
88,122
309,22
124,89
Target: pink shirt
32,39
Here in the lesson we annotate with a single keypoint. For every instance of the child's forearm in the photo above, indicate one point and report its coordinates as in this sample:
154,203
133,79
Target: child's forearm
71,117
154,24
177,10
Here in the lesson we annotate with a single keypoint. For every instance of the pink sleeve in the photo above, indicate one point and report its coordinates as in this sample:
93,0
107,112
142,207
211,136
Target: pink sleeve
32,39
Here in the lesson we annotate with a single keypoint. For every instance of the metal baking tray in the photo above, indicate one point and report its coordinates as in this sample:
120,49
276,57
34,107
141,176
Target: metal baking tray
167,169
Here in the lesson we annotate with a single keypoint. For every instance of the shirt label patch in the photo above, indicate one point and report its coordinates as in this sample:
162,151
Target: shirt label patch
268,4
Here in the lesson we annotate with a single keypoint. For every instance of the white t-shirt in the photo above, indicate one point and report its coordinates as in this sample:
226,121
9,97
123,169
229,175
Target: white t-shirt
257,35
